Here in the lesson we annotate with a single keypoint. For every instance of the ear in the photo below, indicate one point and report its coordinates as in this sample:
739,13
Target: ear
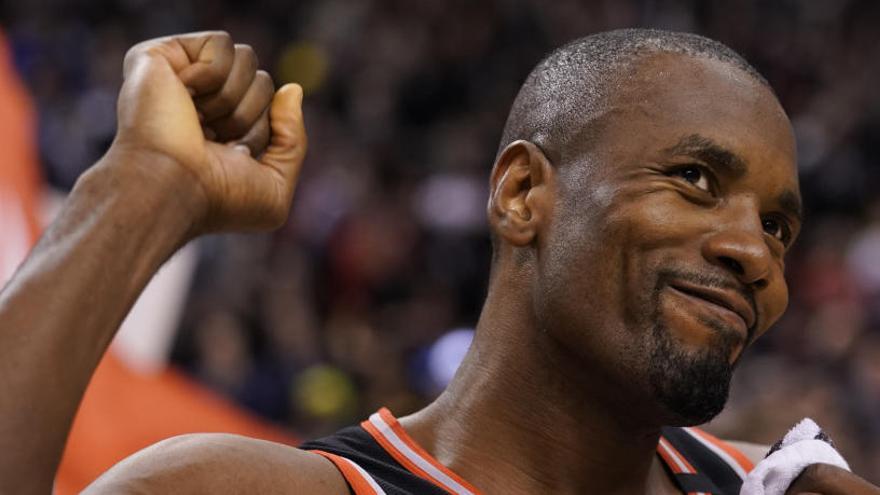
520,193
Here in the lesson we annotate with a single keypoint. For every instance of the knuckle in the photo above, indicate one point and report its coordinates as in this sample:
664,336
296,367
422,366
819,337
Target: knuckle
131,53
149,49
247,55
142,46
222,42
207,34
223,37
226,43
265,80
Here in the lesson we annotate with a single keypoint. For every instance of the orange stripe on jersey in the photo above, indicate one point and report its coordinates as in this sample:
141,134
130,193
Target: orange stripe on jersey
676,462
738,456
356,477
673,458
402,459
403,435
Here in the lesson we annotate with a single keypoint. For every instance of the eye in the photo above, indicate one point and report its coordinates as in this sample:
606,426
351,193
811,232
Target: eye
778,229
696,175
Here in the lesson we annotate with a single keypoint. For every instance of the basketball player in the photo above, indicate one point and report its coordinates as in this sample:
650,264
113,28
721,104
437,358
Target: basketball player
642,203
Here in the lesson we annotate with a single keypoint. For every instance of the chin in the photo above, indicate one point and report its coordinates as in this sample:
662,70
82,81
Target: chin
691,387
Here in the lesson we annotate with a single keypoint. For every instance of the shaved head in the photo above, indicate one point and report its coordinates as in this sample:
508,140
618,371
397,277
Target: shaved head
573,85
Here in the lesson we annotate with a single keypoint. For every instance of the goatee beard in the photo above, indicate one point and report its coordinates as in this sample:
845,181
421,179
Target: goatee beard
692,386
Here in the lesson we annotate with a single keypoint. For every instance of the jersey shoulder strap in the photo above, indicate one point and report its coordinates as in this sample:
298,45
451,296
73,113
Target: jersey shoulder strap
382,449
701,463
366,466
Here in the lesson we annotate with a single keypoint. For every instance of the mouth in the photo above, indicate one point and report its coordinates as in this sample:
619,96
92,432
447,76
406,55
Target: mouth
728,304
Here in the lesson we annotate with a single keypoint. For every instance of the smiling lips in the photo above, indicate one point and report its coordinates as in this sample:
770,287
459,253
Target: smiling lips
725,301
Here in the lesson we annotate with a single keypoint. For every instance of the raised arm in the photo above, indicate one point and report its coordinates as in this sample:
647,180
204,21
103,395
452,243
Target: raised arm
161,183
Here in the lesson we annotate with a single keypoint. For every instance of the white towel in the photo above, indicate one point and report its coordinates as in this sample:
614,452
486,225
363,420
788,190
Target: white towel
804,445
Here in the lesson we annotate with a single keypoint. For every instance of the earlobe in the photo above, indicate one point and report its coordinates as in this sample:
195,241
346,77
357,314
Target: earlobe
518,189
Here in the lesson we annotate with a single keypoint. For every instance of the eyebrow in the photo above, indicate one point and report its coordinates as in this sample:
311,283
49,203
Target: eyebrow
711,153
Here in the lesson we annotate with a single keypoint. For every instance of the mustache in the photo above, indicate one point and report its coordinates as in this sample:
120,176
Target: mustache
666,276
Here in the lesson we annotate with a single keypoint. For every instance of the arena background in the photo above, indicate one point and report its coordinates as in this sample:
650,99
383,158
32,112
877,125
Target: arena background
366,297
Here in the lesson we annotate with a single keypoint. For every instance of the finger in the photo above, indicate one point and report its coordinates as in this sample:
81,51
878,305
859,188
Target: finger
241,74
255,100
210,56
257,138
288,142
201,60
830,480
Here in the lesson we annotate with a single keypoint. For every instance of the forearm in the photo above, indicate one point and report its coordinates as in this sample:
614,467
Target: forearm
64,305
161,184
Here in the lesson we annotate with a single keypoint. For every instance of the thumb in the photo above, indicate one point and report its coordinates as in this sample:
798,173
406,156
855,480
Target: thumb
287,144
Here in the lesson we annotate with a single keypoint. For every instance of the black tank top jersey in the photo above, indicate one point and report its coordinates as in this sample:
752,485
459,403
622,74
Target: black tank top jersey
378,457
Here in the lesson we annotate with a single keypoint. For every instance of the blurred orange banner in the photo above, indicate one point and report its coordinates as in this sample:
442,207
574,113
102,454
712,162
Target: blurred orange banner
124,411
19,172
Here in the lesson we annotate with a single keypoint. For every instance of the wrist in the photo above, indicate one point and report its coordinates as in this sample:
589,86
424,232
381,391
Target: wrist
134,207
150,184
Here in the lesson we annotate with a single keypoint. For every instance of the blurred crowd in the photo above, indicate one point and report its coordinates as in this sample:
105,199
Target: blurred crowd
367,296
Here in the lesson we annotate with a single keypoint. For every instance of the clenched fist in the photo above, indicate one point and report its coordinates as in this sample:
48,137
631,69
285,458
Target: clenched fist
194,110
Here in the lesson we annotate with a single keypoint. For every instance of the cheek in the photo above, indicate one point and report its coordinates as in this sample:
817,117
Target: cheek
648,226
644,230
775,302
654,217
575,288
600,259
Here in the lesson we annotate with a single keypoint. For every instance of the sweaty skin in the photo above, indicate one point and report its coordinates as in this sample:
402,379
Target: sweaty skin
554,396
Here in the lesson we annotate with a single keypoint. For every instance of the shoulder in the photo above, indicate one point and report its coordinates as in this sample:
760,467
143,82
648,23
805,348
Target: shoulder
755,452
221,463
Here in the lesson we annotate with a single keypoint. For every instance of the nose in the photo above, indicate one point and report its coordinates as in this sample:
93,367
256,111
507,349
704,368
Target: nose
740,247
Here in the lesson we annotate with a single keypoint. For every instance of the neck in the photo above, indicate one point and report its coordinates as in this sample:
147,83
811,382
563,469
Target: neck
523,416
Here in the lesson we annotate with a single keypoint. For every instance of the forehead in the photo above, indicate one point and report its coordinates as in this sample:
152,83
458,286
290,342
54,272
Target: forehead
666,97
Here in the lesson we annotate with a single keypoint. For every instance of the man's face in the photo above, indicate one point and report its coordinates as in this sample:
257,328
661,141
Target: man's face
665,255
